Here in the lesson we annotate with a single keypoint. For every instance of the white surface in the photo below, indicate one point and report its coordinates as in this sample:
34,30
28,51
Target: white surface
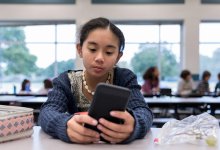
23,99
176,100
41,141
12,98
33,100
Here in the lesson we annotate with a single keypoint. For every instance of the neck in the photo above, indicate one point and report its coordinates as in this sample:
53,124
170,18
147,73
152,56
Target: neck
93,81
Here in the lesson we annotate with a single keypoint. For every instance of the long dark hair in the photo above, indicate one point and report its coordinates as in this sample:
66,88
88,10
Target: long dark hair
149,75
48,84
23,84
101,23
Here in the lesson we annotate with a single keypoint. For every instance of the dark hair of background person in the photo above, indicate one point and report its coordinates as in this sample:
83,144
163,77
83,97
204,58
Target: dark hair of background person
184,74
206,74
149,74
23,84
48,84
219,75
101,23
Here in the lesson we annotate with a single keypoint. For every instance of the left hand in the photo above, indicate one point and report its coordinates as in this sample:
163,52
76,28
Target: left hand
116,133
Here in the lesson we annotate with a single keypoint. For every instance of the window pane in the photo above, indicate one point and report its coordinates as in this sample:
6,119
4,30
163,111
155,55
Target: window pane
140,33
170,33
66,33
143,49
209,32
29,52
66,55
210,50
40,33
45,54
209,60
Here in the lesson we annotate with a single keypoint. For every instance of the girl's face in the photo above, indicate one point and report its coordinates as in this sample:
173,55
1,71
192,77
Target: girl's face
188,78
156,72
207,78
100,52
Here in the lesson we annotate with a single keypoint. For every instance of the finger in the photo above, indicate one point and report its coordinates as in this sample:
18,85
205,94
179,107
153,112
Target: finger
78,138
111,133
110,139
85,119
80,129
123,128
121,115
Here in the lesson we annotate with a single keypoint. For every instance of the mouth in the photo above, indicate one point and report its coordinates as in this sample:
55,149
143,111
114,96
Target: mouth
98,69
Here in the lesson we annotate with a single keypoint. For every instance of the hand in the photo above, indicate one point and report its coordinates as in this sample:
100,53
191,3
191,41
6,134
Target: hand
78,133
116,133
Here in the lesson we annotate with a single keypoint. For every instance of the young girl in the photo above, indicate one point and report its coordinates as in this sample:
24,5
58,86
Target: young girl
203,86
151,81
100,46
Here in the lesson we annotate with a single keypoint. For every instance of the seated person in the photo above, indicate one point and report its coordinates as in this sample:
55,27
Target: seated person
217,87
185,84
100,46
47,87
203,86
151,81
25,87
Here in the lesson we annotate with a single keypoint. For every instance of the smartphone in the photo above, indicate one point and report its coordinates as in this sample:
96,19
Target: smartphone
107,98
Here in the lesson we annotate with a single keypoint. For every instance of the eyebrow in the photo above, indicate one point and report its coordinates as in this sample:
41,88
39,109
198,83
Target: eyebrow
109,46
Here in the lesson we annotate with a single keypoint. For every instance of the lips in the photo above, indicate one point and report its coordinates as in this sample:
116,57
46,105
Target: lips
98,69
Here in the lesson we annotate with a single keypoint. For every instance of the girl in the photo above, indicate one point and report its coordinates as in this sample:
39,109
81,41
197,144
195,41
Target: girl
100,46
203,86
151,81
25,87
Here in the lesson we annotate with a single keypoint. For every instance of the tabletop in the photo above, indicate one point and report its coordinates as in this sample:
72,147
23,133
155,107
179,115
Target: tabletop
178,100
41,141
13,98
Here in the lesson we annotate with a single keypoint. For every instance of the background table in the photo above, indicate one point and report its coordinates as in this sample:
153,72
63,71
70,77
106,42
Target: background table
176,102
42,141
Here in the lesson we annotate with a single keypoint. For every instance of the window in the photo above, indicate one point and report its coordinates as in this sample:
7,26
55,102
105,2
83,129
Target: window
209,50
153,45
35,52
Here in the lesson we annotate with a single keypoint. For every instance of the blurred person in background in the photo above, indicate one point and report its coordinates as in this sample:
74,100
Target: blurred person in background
25,87
185,84
203,86
46,88
217,86
151,81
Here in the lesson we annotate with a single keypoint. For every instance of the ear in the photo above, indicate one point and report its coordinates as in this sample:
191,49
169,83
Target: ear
119,56
79,50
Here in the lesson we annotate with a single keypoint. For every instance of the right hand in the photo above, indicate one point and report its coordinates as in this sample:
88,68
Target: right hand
77,133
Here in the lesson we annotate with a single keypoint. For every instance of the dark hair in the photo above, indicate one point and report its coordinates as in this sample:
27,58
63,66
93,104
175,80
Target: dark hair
149,74
205,74
48,84
184,74
23,84
219,75
101,23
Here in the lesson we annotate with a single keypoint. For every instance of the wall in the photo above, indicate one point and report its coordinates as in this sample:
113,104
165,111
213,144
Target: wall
192,12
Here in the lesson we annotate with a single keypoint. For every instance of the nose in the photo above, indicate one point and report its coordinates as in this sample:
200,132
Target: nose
99,58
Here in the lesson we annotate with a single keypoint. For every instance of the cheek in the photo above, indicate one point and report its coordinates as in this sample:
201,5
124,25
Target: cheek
111,61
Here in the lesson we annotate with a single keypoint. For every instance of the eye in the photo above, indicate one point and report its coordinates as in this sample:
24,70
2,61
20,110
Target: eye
92,49
109,53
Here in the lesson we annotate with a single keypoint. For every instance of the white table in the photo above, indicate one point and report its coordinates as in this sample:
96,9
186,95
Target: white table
12,98
176,102
42,141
